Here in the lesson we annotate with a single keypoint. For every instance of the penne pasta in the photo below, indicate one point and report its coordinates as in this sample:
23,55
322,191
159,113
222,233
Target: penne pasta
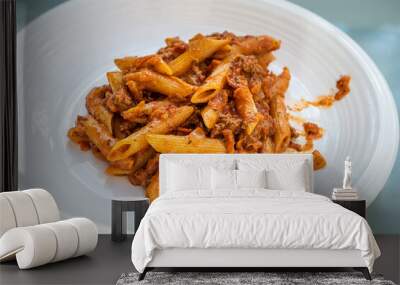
276,93
142,157
282,128
210,117
280,85
78,135
134,90
137,113
95,106
98,135
210,113
229,140
134,63
246,108
213,84
168,85
265,59
115,79
121,167
181,64
268,146
137,140
200,48
185,144
153,189
258,45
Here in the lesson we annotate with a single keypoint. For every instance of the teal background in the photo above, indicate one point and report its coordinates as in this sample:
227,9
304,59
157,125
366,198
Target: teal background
375,26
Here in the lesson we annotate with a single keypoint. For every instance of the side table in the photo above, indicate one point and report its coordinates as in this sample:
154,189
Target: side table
357,206
118,218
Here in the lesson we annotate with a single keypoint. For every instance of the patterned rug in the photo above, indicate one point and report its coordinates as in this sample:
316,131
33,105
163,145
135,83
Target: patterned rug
243,278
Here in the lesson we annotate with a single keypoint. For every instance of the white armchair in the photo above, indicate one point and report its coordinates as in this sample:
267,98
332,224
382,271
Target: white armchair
31,230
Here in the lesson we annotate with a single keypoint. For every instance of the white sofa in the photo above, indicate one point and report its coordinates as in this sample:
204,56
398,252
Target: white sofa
31,231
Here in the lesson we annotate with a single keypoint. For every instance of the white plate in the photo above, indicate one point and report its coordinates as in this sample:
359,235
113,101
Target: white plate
67,51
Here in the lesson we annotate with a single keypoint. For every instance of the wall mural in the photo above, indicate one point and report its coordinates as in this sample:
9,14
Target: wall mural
219,93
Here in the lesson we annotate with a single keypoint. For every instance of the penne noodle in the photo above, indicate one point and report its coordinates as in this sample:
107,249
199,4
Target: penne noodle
127,63
185,144
200,48
258,45
282,134
153,189
210,117
133,63
134,90
96,108
137,141
160,65
78,135
229,140
268,145
168,85
121,167
115,79
198,133
74,134
280,85
265,59
98,135
277,92
181,64
210,113
136,114
246,108
213,84
142,157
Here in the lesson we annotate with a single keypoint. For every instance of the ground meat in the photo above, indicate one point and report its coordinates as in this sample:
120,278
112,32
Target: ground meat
343,86
78,134
119,101
227,120
174,48
256,141
122,128
197,74
143,176
249,143
246,70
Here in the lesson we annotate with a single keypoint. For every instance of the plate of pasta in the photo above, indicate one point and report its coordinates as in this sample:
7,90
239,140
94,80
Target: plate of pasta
107,97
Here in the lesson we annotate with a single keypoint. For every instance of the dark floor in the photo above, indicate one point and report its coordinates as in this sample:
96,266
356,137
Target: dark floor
110,260
103,266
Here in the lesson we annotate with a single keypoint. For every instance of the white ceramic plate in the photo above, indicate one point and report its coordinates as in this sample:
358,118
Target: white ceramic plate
67,51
